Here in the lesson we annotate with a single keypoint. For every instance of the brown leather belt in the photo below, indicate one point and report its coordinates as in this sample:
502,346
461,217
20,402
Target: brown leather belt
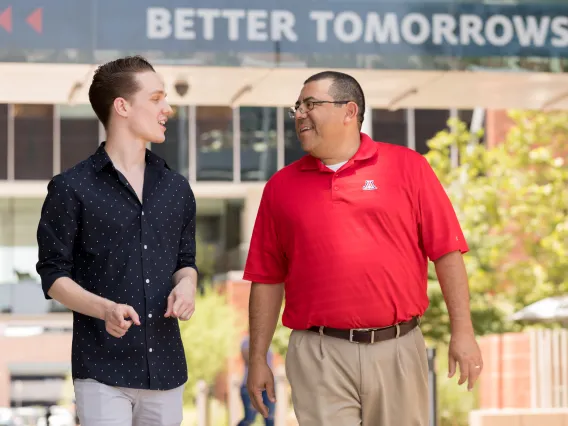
369,335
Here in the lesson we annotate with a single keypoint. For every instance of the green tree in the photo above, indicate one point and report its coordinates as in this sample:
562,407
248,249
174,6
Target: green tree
210,337
512,202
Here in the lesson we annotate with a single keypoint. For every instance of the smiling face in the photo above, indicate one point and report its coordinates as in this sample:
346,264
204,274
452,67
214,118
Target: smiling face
146,112
319,121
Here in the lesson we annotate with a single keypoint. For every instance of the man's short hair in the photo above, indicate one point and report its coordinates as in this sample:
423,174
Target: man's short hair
343,88
113,80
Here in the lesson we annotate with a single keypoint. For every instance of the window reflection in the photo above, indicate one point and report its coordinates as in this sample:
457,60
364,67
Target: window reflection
428,123
390,126
292,149
214,133
175,149
258,143
79,134
3,141
33,137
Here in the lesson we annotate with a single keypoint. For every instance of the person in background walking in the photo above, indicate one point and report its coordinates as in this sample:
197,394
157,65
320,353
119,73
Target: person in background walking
250,411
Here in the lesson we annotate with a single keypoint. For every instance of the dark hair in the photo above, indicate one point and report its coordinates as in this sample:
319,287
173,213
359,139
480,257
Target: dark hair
115,79
343,88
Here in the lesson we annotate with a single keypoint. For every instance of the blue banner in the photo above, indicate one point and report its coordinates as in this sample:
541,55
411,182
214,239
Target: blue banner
293,26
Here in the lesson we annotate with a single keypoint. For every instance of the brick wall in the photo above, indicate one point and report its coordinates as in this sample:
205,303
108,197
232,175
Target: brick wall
505,381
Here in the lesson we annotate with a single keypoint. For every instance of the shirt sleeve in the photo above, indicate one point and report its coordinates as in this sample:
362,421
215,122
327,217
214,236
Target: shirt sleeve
56,232
439,227
187,244
266,263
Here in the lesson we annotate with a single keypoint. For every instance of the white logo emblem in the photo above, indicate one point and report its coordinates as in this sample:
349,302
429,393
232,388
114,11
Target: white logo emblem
369,185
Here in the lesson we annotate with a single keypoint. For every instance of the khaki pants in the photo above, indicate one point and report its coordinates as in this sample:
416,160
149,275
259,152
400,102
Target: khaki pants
102,405
338,383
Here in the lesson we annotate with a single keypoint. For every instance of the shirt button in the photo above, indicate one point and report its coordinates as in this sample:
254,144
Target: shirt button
336,188
145,246
147,280
149,315
142,213
150,349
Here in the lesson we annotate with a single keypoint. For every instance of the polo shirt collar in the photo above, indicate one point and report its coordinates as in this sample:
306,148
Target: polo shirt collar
367,149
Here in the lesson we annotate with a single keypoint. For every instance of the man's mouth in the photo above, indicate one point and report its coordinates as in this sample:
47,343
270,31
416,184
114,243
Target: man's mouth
305,128
162,123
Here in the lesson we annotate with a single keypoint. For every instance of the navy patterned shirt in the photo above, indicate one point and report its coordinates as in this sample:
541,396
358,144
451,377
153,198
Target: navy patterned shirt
94,230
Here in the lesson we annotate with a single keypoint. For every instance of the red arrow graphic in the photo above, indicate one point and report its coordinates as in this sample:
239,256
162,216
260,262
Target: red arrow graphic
35,20
6,19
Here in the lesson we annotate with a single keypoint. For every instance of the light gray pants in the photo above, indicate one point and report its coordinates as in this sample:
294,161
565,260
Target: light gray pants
102,405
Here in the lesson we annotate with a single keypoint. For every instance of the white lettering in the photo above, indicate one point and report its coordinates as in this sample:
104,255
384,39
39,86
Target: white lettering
184,24
471,27
560,31
381,32
506,35
356,27
282,24
208,16
158,23
321,17
423,28
534,31
443,27
233,16
256,25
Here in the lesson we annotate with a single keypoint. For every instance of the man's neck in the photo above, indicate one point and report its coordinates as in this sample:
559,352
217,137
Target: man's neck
127,154
343,151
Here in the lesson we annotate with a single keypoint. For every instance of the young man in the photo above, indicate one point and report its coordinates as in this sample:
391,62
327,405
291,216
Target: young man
347,232
117,246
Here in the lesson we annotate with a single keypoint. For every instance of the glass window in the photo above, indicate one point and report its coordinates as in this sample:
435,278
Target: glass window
3,141
175,149
390,126
258,143
214,133
33,138
428,123
292,149
79,134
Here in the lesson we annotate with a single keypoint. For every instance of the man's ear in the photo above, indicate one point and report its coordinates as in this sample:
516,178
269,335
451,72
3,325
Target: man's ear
351,112
121,106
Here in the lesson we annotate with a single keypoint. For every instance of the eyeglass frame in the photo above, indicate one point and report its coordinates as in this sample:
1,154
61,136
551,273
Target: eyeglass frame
292,111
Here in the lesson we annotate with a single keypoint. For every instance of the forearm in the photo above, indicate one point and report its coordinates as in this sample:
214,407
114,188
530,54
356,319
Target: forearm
264,308
74,297
182,273
452,276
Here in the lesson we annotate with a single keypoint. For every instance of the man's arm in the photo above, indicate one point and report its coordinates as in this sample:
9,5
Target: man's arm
56,233
264,308
452,275
464,350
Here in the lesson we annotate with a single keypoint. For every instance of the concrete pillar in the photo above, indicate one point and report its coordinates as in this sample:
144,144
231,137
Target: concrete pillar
252,203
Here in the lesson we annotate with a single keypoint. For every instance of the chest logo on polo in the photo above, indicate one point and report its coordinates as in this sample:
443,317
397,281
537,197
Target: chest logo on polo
369,185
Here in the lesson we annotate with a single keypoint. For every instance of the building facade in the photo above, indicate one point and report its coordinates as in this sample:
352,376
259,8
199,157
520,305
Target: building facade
232,72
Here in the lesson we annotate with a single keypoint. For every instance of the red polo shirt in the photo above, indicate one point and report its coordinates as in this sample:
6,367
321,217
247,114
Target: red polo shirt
352,246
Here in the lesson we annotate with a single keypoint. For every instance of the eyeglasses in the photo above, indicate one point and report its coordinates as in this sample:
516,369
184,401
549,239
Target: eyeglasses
309,105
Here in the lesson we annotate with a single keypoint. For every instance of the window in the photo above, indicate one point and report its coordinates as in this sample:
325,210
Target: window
390,126
33,140
79,134
175,149
428,123
3,141
292,149
258,143
214,133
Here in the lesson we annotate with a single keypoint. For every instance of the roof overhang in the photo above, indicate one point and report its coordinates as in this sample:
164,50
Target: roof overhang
257,86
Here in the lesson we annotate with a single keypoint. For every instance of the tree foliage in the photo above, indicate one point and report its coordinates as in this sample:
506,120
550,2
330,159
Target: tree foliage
209,338
512,202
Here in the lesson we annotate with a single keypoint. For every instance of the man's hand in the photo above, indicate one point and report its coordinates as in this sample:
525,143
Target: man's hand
115,319
260,378
465,352
181,301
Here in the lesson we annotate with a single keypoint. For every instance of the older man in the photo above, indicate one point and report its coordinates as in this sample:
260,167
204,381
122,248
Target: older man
346,233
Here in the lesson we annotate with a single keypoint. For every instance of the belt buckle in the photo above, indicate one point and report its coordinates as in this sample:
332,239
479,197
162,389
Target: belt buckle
351,336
